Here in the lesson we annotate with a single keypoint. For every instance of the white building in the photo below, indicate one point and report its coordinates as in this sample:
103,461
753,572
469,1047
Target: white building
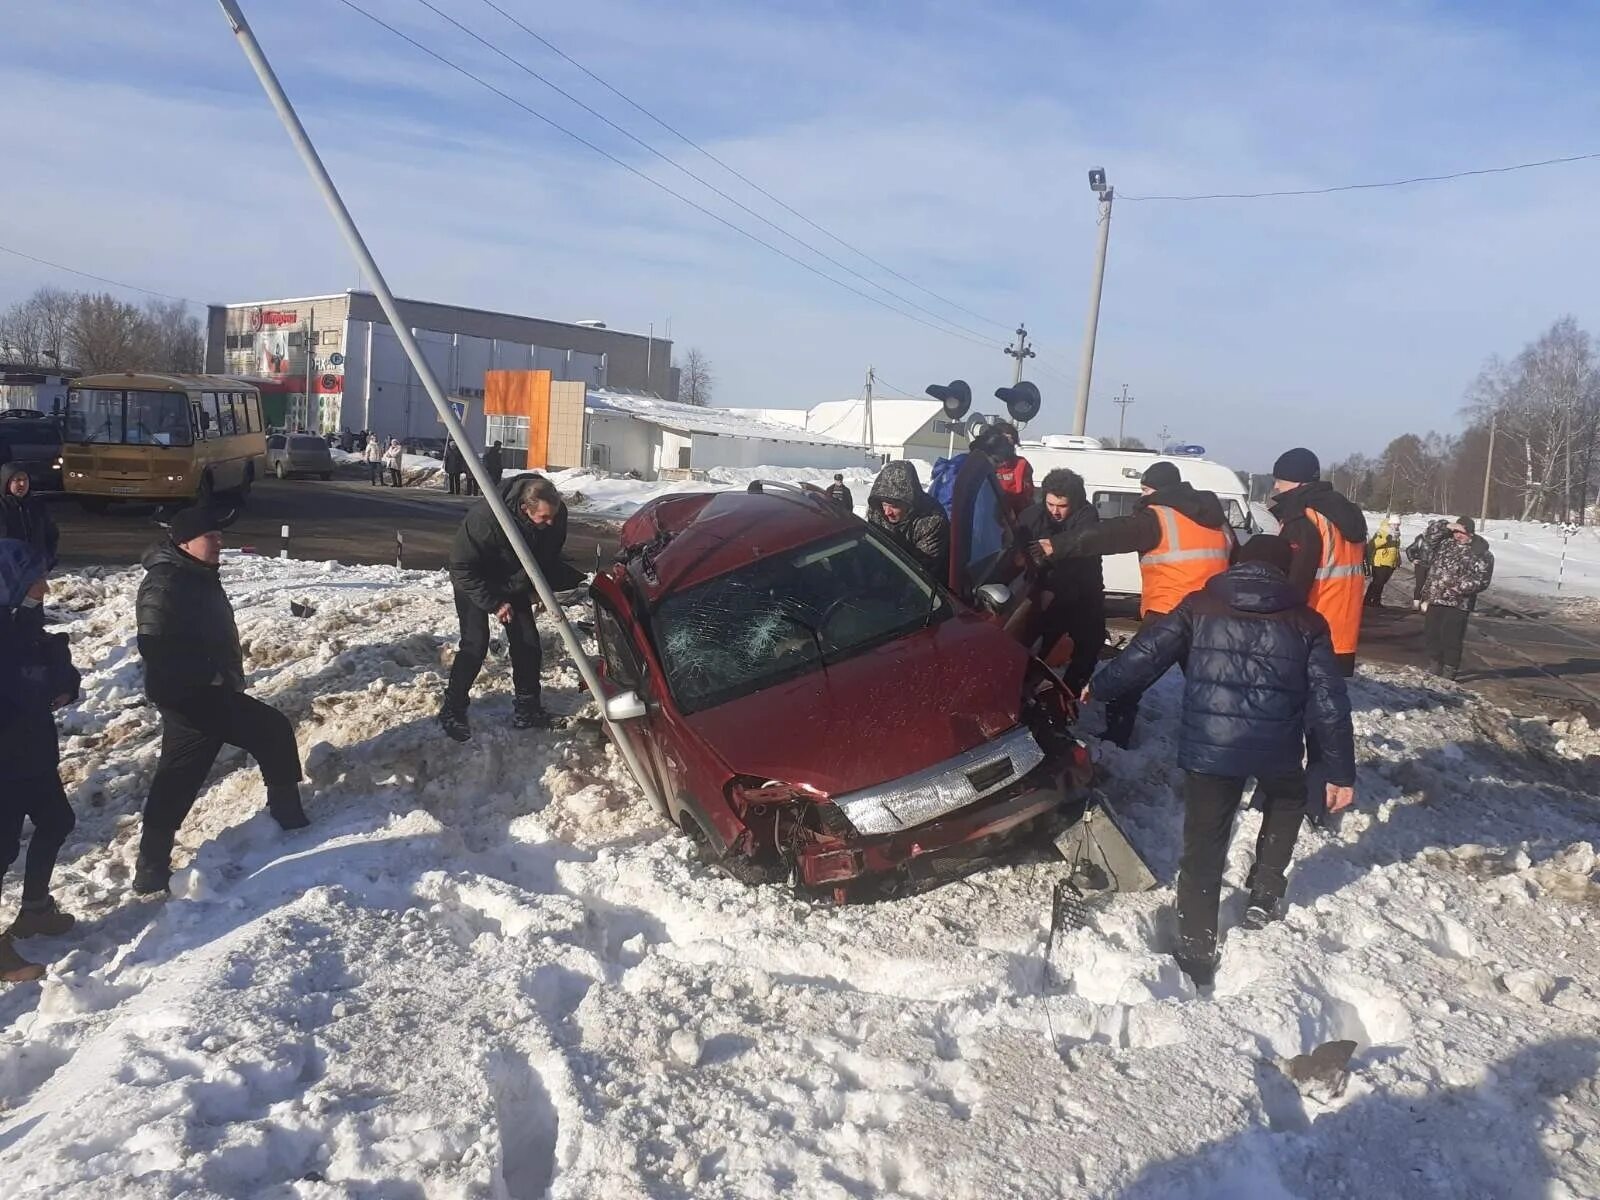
631,433
899,428
25,385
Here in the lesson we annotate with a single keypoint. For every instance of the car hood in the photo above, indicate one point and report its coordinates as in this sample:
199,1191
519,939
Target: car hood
893,710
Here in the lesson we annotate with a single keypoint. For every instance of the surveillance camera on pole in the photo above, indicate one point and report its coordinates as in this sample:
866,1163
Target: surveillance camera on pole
1101,188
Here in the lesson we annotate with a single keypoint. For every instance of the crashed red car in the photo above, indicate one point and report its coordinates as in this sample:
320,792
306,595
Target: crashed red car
812,707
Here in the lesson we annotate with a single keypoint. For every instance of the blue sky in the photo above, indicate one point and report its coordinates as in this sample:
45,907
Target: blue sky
947,140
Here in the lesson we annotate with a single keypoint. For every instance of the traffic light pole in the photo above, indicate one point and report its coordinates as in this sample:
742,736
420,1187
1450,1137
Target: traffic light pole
380,287
1086,367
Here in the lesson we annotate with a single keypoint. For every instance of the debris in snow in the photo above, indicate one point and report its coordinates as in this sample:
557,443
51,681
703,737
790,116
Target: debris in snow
1323,1074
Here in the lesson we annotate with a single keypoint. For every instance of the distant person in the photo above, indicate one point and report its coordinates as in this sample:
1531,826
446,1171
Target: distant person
372,455
1182,538
455,466
347,440
194,675
1460,567
841,495
36,677
494,463
488,581
1076,585
23,515
899,507
1420,551
1383,555
1013,472
393,459
1259,671
1329,536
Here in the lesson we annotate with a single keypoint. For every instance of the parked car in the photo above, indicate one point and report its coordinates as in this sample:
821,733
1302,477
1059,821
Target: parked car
429,447
811,706
299,454
32,439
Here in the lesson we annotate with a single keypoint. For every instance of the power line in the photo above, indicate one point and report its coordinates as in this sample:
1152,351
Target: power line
132,287
687,140
631,169
1389,183
672,162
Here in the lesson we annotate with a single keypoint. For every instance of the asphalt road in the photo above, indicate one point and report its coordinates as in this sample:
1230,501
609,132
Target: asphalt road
346,519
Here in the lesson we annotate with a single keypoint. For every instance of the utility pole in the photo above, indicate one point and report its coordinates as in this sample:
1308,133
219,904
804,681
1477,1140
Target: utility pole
1019,352
310,334
1122,418
867,416
1488,467
1098,184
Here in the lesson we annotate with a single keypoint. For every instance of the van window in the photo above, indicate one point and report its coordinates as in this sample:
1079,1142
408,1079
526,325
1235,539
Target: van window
1238,516
1115,504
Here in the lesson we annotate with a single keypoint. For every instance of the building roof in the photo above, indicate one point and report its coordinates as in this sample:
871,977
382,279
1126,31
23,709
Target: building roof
692,419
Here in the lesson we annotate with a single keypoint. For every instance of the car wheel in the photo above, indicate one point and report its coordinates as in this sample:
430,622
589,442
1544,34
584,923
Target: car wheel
278,470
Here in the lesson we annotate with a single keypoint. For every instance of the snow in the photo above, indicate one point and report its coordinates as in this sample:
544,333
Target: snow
1527,556
487,971
604,495
722,422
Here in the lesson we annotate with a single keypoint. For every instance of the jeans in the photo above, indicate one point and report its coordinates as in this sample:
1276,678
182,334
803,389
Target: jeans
375,473
1210,802
191,738
527,657
40,799
1444,630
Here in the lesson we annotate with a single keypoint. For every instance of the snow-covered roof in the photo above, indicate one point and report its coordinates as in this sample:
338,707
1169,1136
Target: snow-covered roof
691,419
894,422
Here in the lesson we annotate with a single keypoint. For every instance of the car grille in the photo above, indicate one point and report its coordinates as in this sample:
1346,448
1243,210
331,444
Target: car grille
944,787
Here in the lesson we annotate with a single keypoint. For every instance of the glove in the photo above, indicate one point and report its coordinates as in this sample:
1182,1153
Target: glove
1036,554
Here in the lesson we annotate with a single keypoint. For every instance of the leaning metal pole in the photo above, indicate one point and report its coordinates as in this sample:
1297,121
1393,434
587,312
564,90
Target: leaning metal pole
352,235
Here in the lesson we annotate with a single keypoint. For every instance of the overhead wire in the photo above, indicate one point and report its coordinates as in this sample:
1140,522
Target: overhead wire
132,287
1357,187
739,175
956,331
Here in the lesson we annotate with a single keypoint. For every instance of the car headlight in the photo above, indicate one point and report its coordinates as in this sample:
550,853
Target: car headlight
753,797
58,464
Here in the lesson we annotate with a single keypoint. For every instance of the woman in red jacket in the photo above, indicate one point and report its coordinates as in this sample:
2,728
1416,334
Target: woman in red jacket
1014,472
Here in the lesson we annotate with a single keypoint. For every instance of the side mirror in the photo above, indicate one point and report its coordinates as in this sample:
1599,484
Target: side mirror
994,596
625,706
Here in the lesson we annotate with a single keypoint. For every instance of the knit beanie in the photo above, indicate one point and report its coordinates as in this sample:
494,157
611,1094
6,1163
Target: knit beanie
1161,475
1297,466
1267,548
190,523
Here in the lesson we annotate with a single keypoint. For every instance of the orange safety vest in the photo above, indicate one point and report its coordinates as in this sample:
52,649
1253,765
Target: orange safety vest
1339,588
1187,555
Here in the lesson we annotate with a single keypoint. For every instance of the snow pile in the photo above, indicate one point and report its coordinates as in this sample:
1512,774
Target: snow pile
1527,557
487,971
617,496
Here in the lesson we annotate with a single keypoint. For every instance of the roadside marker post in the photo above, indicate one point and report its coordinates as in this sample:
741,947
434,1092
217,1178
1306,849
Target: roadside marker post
400,549
283,542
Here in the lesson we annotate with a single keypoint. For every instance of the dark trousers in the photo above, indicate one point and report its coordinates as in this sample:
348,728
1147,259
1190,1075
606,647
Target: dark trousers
1444,629
394,476
375,473
527,658
453,482
39,799
1210,802
191,738
1380,580
1085,624
1418,578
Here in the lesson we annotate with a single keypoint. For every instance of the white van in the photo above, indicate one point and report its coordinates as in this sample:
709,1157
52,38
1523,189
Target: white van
1111,478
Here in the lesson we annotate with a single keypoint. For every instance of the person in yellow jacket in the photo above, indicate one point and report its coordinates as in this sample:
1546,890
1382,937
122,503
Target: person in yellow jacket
1383,555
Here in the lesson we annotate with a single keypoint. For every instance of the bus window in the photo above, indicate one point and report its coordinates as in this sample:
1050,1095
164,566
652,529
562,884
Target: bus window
158,419
253,402
224,410
94,415
241,414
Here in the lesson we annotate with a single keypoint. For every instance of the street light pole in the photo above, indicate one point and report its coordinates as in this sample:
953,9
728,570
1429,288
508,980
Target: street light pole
1097,181
402,331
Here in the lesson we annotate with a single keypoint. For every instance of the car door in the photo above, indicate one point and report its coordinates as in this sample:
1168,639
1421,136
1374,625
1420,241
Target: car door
624,670
985,547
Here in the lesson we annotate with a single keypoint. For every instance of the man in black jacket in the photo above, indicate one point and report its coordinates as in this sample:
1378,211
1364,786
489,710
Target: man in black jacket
1076,585
194,674
489,581
23,515
839,493
454,467
1164,584
494,464
899,507
1260,671
36,677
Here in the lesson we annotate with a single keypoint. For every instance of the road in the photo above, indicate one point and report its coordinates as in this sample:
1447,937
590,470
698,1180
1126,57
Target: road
345,519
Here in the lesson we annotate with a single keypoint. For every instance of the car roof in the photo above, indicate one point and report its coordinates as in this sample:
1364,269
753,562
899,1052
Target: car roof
712,533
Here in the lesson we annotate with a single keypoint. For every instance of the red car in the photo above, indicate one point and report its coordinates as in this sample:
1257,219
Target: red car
813,707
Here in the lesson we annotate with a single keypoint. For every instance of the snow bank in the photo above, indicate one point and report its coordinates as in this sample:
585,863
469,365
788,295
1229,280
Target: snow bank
487,971
615,496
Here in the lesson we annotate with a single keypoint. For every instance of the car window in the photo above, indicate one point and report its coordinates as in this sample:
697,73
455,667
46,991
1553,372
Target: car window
306,442
622,665
786,615
29,433
276,442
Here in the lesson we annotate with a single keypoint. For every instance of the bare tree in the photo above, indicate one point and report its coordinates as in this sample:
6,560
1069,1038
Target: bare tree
36,331
107,334
695,380
173,340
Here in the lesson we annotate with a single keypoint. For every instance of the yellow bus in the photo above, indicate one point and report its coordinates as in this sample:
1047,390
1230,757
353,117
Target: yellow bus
171,439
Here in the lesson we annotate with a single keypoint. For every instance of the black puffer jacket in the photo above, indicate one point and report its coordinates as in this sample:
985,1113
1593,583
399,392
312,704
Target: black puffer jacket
1140,531
483,566
1290,509
187,635
1259,669
924,532
27,519
1071,579
37,670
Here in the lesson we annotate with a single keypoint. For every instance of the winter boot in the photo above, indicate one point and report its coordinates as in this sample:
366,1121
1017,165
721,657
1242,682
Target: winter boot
153,871
453,720
13,967
283,802
528,713
1119,727
1201,969
1449,672
1262,912
41,918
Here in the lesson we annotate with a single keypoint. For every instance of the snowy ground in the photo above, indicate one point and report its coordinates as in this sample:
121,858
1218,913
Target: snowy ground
1527,558
486,971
